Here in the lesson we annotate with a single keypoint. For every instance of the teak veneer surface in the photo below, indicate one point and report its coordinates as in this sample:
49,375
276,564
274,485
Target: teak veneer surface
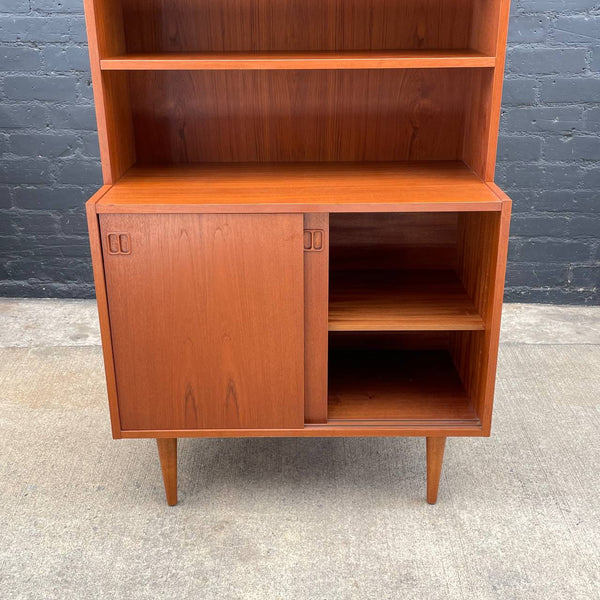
300,187
400,301
290,25
299,115
207,320
373,59
416,386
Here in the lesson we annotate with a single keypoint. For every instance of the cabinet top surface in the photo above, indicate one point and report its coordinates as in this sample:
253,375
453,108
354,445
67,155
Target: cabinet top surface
300,187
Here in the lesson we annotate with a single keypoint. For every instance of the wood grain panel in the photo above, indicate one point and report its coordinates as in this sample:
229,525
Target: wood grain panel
207,320
482,264
479,100
102,304
119,123
248,116
485,17
400,301
316,305
287,25
491,135
485,96
393,241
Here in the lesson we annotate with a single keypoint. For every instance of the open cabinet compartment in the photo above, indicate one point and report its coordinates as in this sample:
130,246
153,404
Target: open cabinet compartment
402,377
167,26
180,117
410,304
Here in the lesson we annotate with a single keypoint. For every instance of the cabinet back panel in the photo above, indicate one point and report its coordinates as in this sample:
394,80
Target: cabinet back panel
249,116
288,25
364,241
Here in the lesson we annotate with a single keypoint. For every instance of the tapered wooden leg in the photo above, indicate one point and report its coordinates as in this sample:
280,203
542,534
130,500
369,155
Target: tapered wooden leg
435,456
167,452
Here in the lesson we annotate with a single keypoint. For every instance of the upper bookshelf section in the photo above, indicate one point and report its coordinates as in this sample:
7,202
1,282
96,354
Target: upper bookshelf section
296,34
232,81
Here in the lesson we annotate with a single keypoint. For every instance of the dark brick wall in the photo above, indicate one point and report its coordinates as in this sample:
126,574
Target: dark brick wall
49,146
549,152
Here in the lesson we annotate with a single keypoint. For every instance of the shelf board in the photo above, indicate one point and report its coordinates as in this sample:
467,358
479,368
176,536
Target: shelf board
389,385
428,300
373,59
301,187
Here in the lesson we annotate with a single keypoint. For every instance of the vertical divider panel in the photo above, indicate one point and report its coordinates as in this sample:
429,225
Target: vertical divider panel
477,122
484,25
316,317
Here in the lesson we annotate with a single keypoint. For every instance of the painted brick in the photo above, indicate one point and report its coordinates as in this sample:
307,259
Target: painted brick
595,59
555,119
528,28
577,28
519,91
60,58
41,88
50,145
50,197
19,58
543,61
20,116
572,90
519,148
591,120
572,148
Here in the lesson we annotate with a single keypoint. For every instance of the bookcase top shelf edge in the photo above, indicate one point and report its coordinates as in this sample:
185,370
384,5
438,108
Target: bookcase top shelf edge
369,59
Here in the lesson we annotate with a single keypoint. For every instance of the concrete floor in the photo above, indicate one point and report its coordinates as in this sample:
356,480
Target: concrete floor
82,516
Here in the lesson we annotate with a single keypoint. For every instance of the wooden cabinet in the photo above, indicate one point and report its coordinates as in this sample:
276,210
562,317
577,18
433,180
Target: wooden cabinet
299,233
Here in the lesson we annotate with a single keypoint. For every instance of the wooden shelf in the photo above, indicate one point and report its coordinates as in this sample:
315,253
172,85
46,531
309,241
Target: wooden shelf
396,386
430,300
301,187
374,59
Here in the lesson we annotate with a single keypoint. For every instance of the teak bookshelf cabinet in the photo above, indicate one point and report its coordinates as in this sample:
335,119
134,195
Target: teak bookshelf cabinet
299,233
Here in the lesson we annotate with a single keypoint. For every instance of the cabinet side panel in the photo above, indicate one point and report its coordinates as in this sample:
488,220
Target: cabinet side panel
484,29
119,122
496,101
494,311
105,34
102,302
489,32
483,242
316,310
479,96
207,319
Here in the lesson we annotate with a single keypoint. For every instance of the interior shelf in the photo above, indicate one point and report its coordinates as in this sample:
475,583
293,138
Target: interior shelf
283,187
368,385
373,59
407,300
